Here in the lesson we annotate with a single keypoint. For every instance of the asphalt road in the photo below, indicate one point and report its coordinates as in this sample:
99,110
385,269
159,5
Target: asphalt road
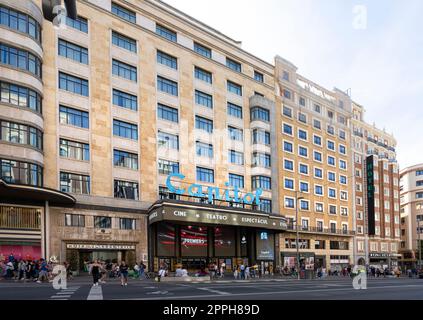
327,289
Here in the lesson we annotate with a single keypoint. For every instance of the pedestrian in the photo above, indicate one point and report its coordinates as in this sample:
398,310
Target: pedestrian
22,270
95,272
242,271
43,271
123,269
222,270
247,273
142,270
236,272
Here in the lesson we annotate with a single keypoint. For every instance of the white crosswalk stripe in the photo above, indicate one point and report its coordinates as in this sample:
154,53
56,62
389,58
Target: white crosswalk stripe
64,294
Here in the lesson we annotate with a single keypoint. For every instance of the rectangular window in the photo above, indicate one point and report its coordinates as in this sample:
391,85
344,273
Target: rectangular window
302,134
302,101
235,134
167,167
304,205
203,75
289,184
205,175
73,51
124,42
73,117
236,181
166,33
124,70
167,60
265,205
127,224
125,130
74,220
102,222
167,86
204,51
74,183
167,140
317,140
125,100
287,146
302,151
236,157
318,190
289,203
124,13
261,160
289,165
74,150
126,190
302,117
73,84
20,96
331,161
318,173
79,23
234,65
261,137
258,76
304,187
204,149
332,209
286,94
287,129
167,113
234,110
203,124
304,169
234,88
259,113
287,112
261,182
342,149
203,99
419,173
317,124
331,145
125,159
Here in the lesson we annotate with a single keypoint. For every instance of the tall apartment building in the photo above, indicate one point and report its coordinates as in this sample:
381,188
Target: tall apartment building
411,186
376,193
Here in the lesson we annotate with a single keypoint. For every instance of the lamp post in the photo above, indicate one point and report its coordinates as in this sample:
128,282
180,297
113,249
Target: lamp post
420,244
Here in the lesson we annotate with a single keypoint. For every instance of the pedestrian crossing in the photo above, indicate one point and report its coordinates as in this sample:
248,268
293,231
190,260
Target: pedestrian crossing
64,294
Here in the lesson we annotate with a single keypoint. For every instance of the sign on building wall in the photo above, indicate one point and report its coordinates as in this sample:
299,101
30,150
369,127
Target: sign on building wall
370,195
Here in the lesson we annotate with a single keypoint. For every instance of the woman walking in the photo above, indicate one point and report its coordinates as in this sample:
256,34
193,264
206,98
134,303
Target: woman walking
95,272
123,268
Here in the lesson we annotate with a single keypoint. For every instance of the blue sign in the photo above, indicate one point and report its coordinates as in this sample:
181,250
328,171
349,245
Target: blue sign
213,193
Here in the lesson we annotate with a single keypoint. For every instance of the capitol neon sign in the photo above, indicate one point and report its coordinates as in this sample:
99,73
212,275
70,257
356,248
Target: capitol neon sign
213,193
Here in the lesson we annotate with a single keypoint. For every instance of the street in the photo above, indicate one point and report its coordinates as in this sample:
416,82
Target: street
275,289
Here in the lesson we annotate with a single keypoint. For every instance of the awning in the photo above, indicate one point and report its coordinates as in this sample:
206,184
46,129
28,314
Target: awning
22,193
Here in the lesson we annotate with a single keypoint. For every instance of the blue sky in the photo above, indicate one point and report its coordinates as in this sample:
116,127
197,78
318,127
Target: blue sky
382,64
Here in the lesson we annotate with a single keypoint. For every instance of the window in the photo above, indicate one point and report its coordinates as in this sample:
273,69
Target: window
126,190
166,33
419,183
304,187
265,205
332,193
287,146
419,195
289,184
317,140
332,176
261,182
21,22
167,113
344,195
419,173
74,183
205,175
287,112
304,205
320,244
236,157
203,99
286,94
342,179
289,202
234,88
127,224
302,134
124,13
73,51
303,169
204,51
331,130
236,66
317,108
259,113
73,117
318,173
125,100
125,159
342,134
168,140
234,110
102,222
258,76
304,224
289,165
331,161
261,160
74,150
125,130
73,84
235,134
80,24
344,211
203,124
21,134
339,245
20,59
74,220
302,102
124,70
317,156
167,86
285,75
124,42
302,117
18,172
331,145
318,190
203,75
319,208
332,210
303,151
342,149
167,167
343,164
167,60
20,96
287,129
164,194
262,137
236,181
204,149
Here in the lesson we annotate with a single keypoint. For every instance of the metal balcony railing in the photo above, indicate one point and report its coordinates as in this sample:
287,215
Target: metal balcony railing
303,229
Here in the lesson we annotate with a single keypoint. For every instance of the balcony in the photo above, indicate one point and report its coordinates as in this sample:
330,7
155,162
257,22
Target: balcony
358,134
16,218
317,230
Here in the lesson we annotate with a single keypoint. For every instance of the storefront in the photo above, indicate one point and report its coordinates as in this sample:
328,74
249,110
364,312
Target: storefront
196,235
384,260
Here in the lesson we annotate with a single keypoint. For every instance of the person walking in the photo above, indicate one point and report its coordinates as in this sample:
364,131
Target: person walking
95,272
123,269
142,270
242,271
222,270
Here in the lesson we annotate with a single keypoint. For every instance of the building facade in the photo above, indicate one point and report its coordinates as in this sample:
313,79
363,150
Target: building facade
411,196
137,133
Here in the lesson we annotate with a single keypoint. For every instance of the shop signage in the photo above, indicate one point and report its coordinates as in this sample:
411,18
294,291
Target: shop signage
382,255
213,193
170,213
99,246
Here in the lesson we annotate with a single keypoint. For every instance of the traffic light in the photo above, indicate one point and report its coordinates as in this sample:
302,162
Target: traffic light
49,5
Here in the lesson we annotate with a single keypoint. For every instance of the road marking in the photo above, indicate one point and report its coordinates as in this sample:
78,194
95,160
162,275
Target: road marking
96,293
214,291
65,293
158,292
62,296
